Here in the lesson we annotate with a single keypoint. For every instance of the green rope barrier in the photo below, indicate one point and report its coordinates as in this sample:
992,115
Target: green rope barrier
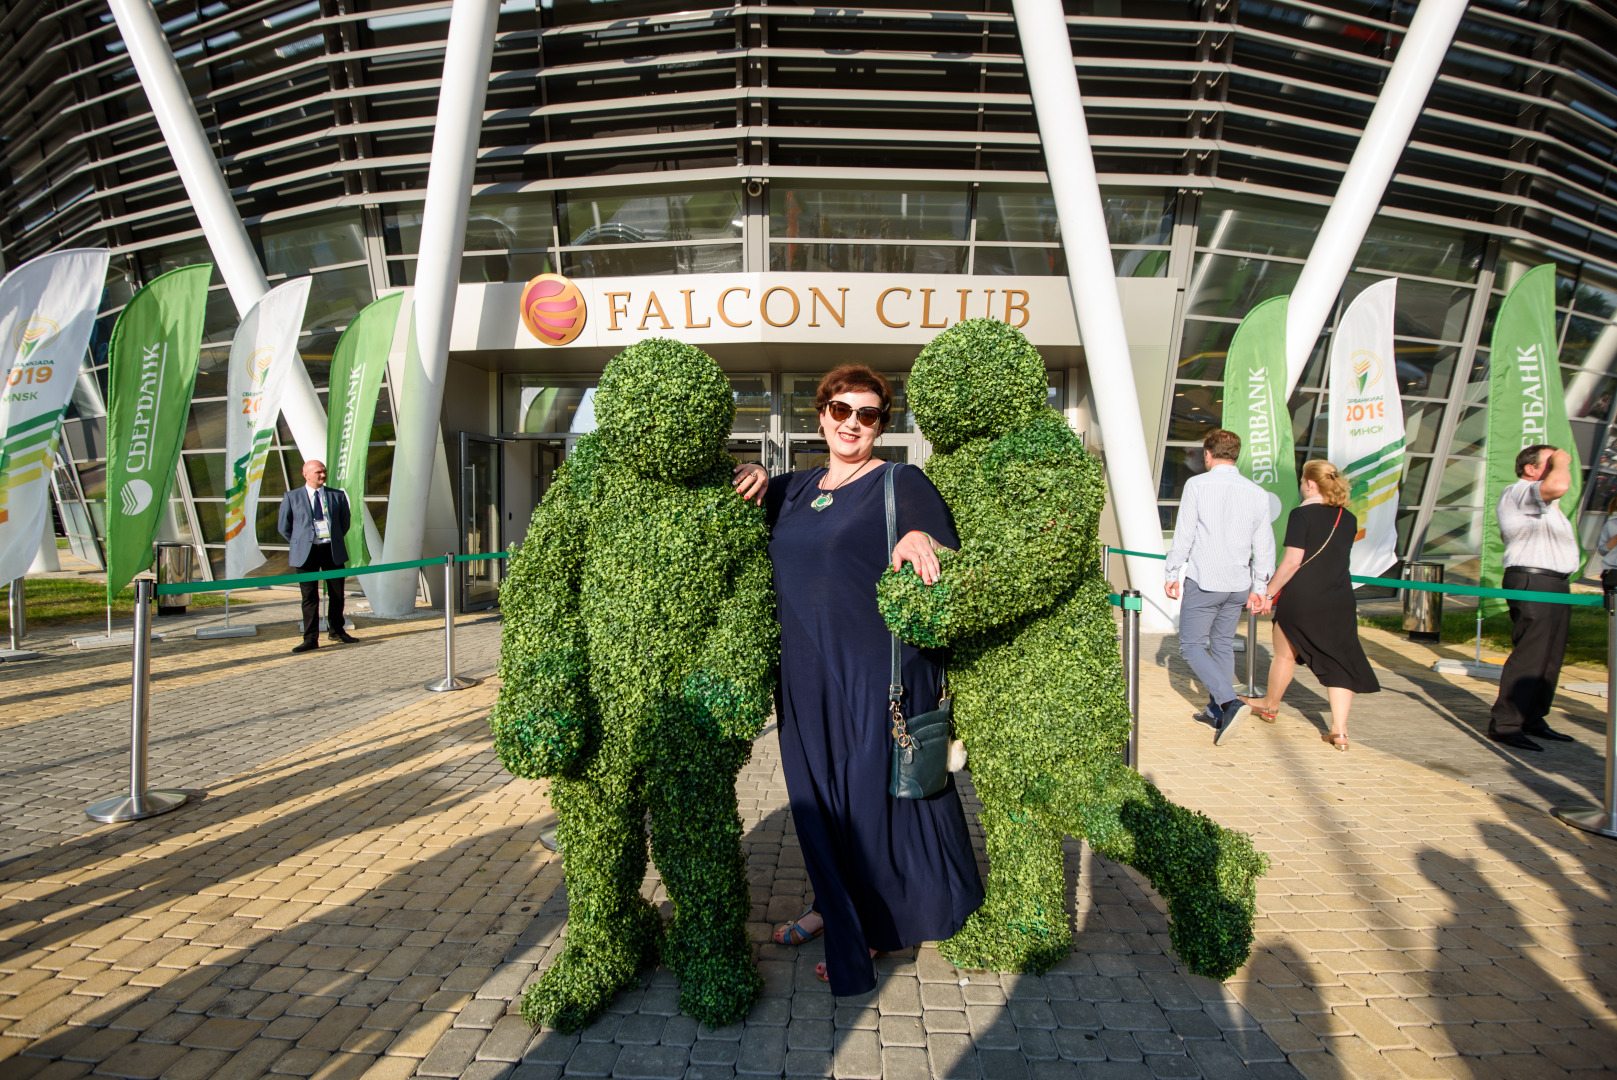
182,589
1531,595
1129,603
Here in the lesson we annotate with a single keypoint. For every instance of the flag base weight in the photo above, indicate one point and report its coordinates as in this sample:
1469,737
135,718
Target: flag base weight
1593,819
209,633
17,654
1468,667
456,683
135,807
109,641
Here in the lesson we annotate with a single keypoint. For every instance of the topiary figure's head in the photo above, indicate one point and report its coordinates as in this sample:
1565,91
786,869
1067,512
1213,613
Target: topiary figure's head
978,379
664,409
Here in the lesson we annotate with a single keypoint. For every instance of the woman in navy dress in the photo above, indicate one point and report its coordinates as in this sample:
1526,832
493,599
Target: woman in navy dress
887,873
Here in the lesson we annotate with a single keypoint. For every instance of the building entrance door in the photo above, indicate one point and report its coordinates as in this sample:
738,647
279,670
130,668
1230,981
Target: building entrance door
481,512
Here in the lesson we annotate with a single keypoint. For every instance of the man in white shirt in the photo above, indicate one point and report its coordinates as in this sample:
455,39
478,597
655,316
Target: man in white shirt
314,519
1541,552
1224,548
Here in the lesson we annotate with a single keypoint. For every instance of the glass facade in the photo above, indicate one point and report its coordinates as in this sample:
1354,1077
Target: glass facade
667,140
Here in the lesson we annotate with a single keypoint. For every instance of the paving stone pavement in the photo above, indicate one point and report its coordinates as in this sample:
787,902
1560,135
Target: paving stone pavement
218,707
371,901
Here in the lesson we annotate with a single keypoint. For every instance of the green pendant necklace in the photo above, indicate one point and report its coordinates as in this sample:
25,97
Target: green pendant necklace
825,499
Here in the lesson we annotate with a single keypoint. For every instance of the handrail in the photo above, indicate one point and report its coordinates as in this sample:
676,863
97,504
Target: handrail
186,588
1531,595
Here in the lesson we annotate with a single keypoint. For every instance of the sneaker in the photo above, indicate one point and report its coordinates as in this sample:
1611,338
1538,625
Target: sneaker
1233,714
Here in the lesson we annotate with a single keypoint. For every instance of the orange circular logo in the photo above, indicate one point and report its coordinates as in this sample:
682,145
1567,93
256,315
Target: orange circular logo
553,309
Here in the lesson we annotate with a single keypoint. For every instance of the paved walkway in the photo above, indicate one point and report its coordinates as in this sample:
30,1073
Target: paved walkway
364,896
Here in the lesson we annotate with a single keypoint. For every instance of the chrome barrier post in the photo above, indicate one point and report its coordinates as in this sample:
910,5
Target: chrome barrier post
139,803
17,607
450,681
1131,672
1603,819
1251,652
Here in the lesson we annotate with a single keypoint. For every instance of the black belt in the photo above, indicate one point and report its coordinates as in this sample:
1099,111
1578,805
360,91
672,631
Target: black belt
1539,570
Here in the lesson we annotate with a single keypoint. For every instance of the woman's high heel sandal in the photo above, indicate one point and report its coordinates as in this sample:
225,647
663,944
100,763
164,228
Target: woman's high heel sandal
1267,715
1338,741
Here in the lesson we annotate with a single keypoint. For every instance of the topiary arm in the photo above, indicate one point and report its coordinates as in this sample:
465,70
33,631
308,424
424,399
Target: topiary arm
730,691
1027,548
544,719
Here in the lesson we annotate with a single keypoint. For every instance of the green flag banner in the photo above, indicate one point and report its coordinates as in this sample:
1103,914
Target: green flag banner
1255,407
1526,405
153,356
356,377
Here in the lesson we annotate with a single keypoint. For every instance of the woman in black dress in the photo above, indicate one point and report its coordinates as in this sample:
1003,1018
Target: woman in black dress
1315,616
887,873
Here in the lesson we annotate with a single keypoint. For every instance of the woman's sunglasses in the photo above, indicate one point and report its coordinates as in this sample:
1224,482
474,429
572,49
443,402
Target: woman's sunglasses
869,415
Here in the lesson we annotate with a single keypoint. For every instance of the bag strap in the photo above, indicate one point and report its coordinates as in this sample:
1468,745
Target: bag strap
895,684
1327,542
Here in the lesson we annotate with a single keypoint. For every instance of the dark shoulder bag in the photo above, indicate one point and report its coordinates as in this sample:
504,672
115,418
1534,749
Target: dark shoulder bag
920,743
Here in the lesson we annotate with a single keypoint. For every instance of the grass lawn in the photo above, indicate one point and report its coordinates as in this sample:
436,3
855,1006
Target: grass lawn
52,601
1585,646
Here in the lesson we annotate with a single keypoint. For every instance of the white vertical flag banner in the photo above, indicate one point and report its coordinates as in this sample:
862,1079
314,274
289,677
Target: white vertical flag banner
260,363
47,311
1367,424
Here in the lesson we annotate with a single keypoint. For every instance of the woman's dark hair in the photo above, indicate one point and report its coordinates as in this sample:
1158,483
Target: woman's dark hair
855,379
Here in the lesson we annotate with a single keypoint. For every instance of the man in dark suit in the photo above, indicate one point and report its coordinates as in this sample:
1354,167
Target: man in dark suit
314,520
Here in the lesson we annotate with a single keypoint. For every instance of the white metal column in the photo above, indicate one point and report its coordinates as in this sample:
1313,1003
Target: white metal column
468,55
1064,135
222,226
1399,105
210,196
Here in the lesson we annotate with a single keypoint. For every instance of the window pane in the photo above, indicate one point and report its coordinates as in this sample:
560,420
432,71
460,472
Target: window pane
633,262
1454,532
609,217
1029,262
1233,223
207,475
752,402
1425,370
868,258
1428,250
1412,484
916,212
294,246
1421,421
546,404
506,222
1461,483
1196,411
1231,286
1201,355
1471,433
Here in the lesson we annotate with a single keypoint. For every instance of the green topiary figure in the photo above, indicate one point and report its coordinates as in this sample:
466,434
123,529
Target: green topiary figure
638,661
1036,674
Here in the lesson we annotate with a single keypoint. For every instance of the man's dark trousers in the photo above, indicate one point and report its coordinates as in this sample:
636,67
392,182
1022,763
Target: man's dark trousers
320,559
1538,635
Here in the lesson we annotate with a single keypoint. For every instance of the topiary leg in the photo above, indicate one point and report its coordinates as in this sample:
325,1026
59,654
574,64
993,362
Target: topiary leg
1022,924
611,929
696,839
1206,873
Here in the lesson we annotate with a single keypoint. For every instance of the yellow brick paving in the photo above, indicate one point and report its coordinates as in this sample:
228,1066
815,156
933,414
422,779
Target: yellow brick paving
79,680
373,903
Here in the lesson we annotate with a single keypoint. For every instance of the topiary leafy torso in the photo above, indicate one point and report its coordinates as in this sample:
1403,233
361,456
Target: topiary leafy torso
1036,673
639,657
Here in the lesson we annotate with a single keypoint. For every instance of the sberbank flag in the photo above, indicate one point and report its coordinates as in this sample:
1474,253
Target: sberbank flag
356,377
153,358
1526,405
1255,407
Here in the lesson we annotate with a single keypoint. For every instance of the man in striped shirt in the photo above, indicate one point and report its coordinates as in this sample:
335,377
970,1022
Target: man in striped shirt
1224,549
